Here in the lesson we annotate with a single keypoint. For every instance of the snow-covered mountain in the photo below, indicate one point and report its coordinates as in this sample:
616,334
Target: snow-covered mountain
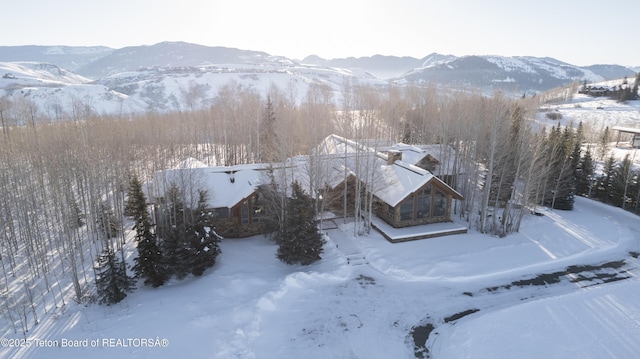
69,57
157,77
612,72
166,88
170,54
513,74
384,67
59,93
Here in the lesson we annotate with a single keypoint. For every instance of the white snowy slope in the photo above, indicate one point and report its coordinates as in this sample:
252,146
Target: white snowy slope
594,112
57,92
34,73
549,66
365,296
601,322
164,88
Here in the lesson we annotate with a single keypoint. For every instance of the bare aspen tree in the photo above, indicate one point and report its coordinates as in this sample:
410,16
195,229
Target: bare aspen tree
497,116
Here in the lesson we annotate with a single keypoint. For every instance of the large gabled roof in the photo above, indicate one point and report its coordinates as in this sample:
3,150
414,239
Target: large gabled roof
403,179
226,186
338,157
392,183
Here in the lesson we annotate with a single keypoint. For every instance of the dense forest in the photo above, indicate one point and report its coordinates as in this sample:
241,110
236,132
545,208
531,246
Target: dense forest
65,186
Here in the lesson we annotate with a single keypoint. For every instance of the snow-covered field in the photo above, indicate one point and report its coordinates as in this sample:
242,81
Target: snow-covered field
596,112
363,299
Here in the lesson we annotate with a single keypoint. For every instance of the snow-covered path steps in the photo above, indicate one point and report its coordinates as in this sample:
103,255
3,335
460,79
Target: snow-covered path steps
344,244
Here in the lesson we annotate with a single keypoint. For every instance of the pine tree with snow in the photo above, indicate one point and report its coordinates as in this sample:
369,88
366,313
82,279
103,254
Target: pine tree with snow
112,281
203,241
188,242
149,262
300,240
172,233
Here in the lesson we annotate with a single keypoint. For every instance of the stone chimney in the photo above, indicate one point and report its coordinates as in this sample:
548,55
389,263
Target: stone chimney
393,156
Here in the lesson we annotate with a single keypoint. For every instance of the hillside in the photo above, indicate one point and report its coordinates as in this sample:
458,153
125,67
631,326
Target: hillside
69,57
167,54
512,74
595,113
166,88
59,93
142,78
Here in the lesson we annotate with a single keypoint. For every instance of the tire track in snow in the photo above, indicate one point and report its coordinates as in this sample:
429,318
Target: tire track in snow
578,232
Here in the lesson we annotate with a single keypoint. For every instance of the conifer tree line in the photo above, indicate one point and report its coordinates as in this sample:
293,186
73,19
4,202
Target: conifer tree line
71,199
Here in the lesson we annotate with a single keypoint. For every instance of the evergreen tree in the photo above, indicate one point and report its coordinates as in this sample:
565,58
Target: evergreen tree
584,86
584,175
622,175
189,243
203,244
625,94
269,142
560,187
565,188
112,281
172,232
149,262
300,241
604,144
605,182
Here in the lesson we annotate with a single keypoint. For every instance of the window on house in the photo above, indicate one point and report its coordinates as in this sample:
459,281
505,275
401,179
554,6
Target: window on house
439,204
406,209
244,213
423,203
258,214
423,206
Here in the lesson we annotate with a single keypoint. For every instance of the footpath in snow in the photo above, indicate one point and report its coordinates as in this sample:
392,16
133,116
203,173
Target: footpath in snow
343,242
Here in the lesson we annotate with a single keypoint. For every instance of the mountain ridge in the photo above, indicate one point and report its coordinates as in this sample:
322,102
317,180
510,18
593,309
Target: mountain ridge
156,77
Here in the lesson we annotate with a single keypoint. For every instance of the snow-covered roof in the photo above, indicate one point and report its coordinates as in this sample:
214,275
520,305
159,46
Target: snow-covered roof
401,179
391,183
626,129
413,154
335,159
226,186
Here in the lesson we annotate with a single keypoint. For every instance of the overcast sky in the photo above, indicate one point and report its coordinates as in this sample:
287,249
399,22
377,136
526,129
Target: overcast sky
580,32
